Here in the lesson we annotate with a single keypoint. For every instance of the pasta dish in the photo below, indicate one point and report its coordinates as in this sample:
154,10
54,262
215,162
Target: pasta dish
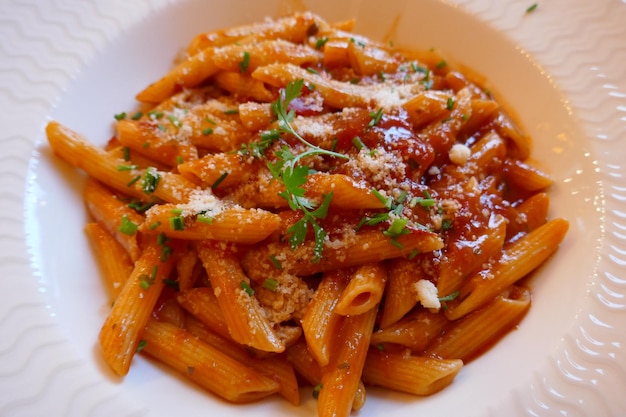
296,205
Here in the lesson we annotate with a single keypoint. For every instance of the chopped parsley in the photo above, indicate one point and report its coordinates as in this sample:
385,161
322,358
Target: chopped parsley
219,180
126,167
316,391
127,226
270,284
142,344
245,62
139,206
175,121
276,262
246,287
294,176
150,180
155,114
450,103
146,281
257,148
177,223
376,116
321,42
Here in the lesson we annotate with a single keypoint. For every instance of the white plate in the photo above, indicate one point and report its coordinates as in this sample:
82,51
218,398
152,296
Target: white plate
560,67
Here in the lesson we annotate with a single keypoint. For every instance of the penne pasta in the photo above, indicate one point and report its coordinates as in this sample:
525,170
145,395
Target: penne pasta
359,249
517,260
114,215
205,365
122,330
320,321
404,372
342,376
114,260
364,290
471,335
244,317
295,204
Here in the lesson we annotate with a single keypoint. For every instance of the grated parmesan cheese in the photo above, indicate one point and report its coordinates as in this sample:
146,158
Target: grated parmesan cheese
427,294
459,154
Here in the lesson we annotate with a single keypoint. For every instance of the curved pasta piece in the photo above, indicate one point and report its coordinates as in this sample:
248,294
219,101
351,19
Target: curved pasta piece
320,322
206,365
364,247
188,73
229,224
364,290
469,336
247,323
144,184
122,330
416,375
517,260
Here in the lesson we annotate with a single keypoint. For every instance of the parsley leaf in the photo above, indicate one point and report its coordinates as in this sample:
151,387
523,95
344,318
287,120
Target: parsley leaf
286,169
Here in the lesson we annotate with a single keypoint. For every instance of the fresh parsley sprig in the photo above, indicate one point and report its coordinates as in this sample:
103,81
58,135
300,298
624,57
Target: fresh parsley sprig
293,176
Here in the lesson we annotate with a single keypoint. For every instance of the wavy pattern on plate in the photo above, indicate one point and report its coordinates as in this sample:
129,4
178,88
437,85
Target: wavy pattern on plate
39,54
38,57
573,49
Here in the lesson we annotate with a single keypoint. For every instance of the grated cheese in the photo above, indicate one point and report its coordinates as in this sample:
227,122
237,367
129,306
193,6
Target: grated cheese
427,294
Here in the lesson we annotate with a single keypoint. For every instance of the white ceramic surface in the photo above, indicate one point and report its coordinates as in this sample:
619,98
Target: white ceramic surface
560,67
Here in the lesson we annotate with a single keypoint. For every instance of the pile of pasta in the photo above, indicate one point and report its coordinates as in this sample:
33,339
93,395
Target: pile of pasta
294,205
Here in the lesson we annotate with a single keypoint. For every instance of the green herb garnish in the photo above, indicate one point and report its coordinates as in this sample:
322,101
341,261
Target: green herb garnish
246,287
127,226
270,284
245,62
294,176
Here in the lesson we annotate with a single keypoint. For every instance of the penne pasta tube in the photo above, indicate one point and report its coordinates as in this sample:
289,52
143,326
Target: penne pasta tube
122,330
243,85
404,372
535,210
415,331
471,335
247,323
186,268
144,184
202,304
400,295
342,376
519,144
305,365
148,139
189,73
246,57
517,260
217,169
294,28
465,255
255,116
114,260
229,224
364,290
346,192
114,215
276,368
426,107
320,321
205,365
363,247
525,176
